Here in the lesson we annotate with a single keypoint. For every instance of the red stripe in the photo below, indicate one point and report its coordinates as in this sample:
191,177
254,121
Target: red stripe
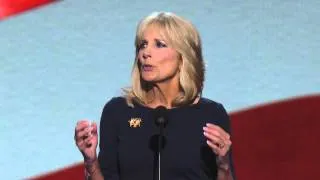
278,140
72,172
13,7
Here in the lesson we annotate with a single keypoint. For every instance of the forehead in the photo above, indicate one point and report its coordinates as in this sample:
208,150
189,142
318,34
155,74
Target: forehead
153,31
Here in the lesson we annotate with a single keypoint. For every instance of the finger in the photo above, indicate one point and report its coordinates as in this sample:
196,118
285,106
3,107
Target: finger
88,141
82,122
221,143
218,150
215,132
81,125
80,144
214,147
94,130
84,141
82,134
218,129
215,139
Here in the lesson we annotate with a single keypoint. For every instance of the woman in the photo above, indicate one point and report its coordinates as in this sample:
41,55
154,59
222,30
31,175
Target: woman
168,71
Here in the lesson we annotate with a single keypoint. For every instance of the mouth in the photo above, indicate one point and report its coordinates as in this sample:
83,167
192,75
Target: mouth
146,67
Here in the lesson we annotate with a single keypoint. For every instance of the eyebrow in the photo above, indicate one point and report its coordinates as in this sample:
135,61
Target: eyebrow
156,39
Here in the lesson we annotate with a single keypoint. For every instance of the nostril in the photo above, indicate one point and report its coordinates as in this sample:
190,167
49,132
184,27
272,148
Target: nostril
145,55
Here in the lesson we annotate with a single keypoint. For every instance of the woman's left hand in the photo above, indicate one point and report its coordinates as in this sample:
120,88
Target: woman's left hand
218,139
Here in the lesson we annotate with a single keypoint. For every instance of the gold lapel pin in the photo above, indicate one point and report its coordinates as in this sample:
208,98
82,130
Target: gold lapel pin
135,122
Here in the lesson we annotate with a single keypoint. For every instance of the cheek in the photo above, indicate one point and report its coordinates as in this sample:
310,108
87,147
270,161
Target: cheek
167,57
171,59
170,64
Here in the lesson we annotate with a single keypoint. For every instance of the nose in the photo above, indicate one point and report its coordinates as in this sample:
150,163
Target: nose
146,53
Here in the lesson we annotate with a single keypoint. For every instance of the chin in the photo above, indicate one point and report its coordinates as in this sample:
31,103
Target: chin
149,79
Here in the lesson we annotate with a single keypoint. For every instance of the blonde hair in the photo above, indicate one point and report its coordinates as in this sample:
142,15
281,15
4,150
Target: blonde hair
185,39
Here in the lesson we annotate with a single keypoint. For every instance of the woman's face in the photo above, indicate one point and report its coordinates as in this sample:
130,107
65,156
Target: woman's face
158,61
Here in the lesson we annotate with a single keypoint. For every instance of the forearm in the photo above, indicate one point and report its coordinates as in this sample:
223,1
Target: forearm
93,171
224,175
224,168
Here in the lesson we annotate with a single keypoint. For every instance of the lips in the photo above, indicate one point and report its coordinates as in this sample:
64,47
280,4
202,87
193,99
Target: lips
147,67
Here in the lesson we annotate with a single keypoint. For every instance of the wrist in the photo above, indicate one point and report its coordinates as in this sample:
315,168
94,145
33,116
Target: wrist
223,163
91,165
89,161
93,171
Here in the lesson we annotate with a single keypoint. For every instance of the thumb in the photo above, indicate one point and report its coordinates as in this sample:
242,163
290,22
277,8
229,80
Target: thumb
94,128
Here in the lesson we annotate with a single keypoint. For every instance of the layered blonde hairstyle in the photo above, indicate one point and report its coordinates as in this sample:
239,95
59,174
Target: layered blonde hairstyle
182,36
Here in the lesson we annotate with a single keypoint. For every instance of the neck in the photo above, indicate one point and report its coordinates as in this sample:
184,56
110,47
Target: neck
164,93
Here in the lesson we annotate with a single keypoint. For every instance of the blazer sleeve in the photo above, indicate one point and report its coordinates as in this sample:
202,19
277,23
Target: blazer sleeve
108,154
225,124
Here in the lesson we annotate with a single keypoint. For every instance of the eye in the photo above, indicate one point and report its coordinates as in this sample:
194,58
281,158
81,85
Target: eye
160,44
143,45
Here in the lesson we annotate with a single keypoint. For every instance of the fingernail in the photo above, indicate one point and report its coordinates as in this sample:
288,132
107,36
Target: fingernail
204,133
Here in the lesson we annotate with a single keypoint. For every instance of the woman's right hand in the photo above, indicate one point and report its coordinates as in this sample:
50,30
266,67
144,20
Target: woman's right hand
86,138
